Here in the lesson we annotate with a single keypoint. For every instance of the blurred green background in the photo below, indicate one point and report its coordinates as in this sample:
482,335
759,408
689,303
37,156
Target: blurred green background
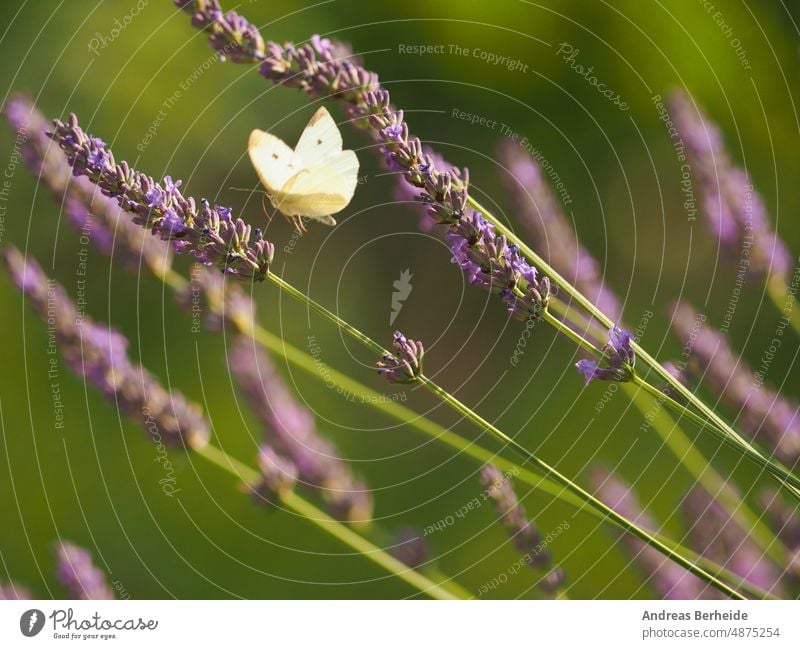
96,481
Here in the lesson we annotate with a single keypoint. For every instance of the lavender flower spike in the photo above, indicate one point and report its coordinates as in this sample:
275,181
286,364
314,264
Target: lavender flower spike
231,35
541,214
524,535
211,234
87,210
290,432
405,365
99,353
79,575
618,359
9,590
669,580
764,414
278,475
735,211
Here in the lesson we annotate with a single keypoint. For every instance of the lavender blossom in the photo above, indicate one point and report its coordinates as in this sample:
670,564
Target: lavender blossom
410,547
735,211
211,234
326,68
617,362
405,365
278,475
291,432
87,210
668,580
81,578
524,535
550,230
99,353
717,536
9,590
230,35
764,415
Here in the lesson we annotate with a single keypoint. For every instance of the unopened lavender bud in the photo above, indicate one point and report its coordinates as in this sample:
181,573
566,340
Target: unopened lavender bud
405,365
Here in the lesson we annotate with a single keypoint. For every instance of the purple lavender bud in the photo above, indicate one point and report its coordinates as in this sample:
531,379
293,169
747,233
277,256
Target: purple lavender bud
717,536
766,416
9,590
410,547
550,230
618,359
230,35
88,211
735,211
290,430
81,578
669,580
278,475
208,232
99,353
523,534
405,365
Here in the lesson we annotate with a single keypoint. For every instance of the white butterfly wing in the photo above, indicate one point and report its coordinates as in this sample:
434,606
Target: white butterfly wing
320,140
320,191
273,159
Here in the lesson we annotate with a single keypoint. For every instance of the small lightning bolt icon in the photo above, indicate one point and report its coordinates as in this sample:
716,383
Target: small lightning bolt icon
32,620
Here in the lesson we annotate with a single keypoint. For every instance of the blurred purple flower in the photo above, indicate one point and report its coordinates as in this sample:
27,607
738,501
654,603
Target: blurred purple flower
81,578
9,590
410,547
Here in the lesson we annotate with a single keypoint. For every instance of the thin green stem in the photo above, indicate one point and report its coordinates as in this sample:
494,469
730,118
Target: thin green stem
570,333
783,475
568,484
343,533
590,308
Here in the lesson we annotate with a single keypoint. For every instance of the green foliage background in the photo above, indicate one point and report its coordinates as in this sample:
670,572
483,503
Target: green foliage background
96,481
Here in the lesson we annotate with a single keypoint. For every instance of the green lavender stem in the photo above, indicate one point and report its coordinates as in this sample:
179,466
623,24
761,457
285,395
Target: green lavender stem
343,533
548,471
568,484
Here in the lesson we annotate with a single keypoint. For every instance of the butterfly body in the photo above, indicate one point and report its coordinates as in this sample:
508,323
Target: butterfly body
314,180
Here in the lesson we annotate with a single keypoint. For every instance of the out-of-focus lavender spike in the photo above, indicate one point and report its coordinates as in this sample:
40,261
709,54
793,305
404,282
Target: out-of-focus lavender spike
521,530
278,475
785,521
405,365
327,68
10,590
99,353
217,300
409,546
81,578
230,35
765,415
735,211
88,211
667,579
208,232
547,225
618,362
717,536
291,432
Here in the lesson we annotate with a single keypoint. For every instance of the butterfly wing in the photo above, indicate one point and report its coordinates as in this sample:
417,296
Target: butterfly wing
273,159
320,191
320,140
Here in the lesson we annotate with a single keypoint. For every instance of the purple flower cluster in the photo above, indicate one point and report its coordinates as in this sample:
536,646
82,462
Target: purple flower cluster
291,433
524,535
326,68
549,228
669,580
87,209
410,547
219,301
81,578
278,475
405,365
9,590
764,415
99,353
211,234
230,34
786,521
716,536
735,211
618,359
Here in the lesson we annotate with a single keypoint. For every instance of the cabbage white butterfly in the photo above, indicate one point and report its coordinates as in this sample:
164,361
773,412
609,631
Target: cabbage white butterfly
314,180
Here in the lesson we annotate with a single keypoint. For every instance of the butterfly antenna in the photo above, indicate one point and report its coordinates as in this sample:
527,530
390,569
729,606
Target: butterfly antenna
266,210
